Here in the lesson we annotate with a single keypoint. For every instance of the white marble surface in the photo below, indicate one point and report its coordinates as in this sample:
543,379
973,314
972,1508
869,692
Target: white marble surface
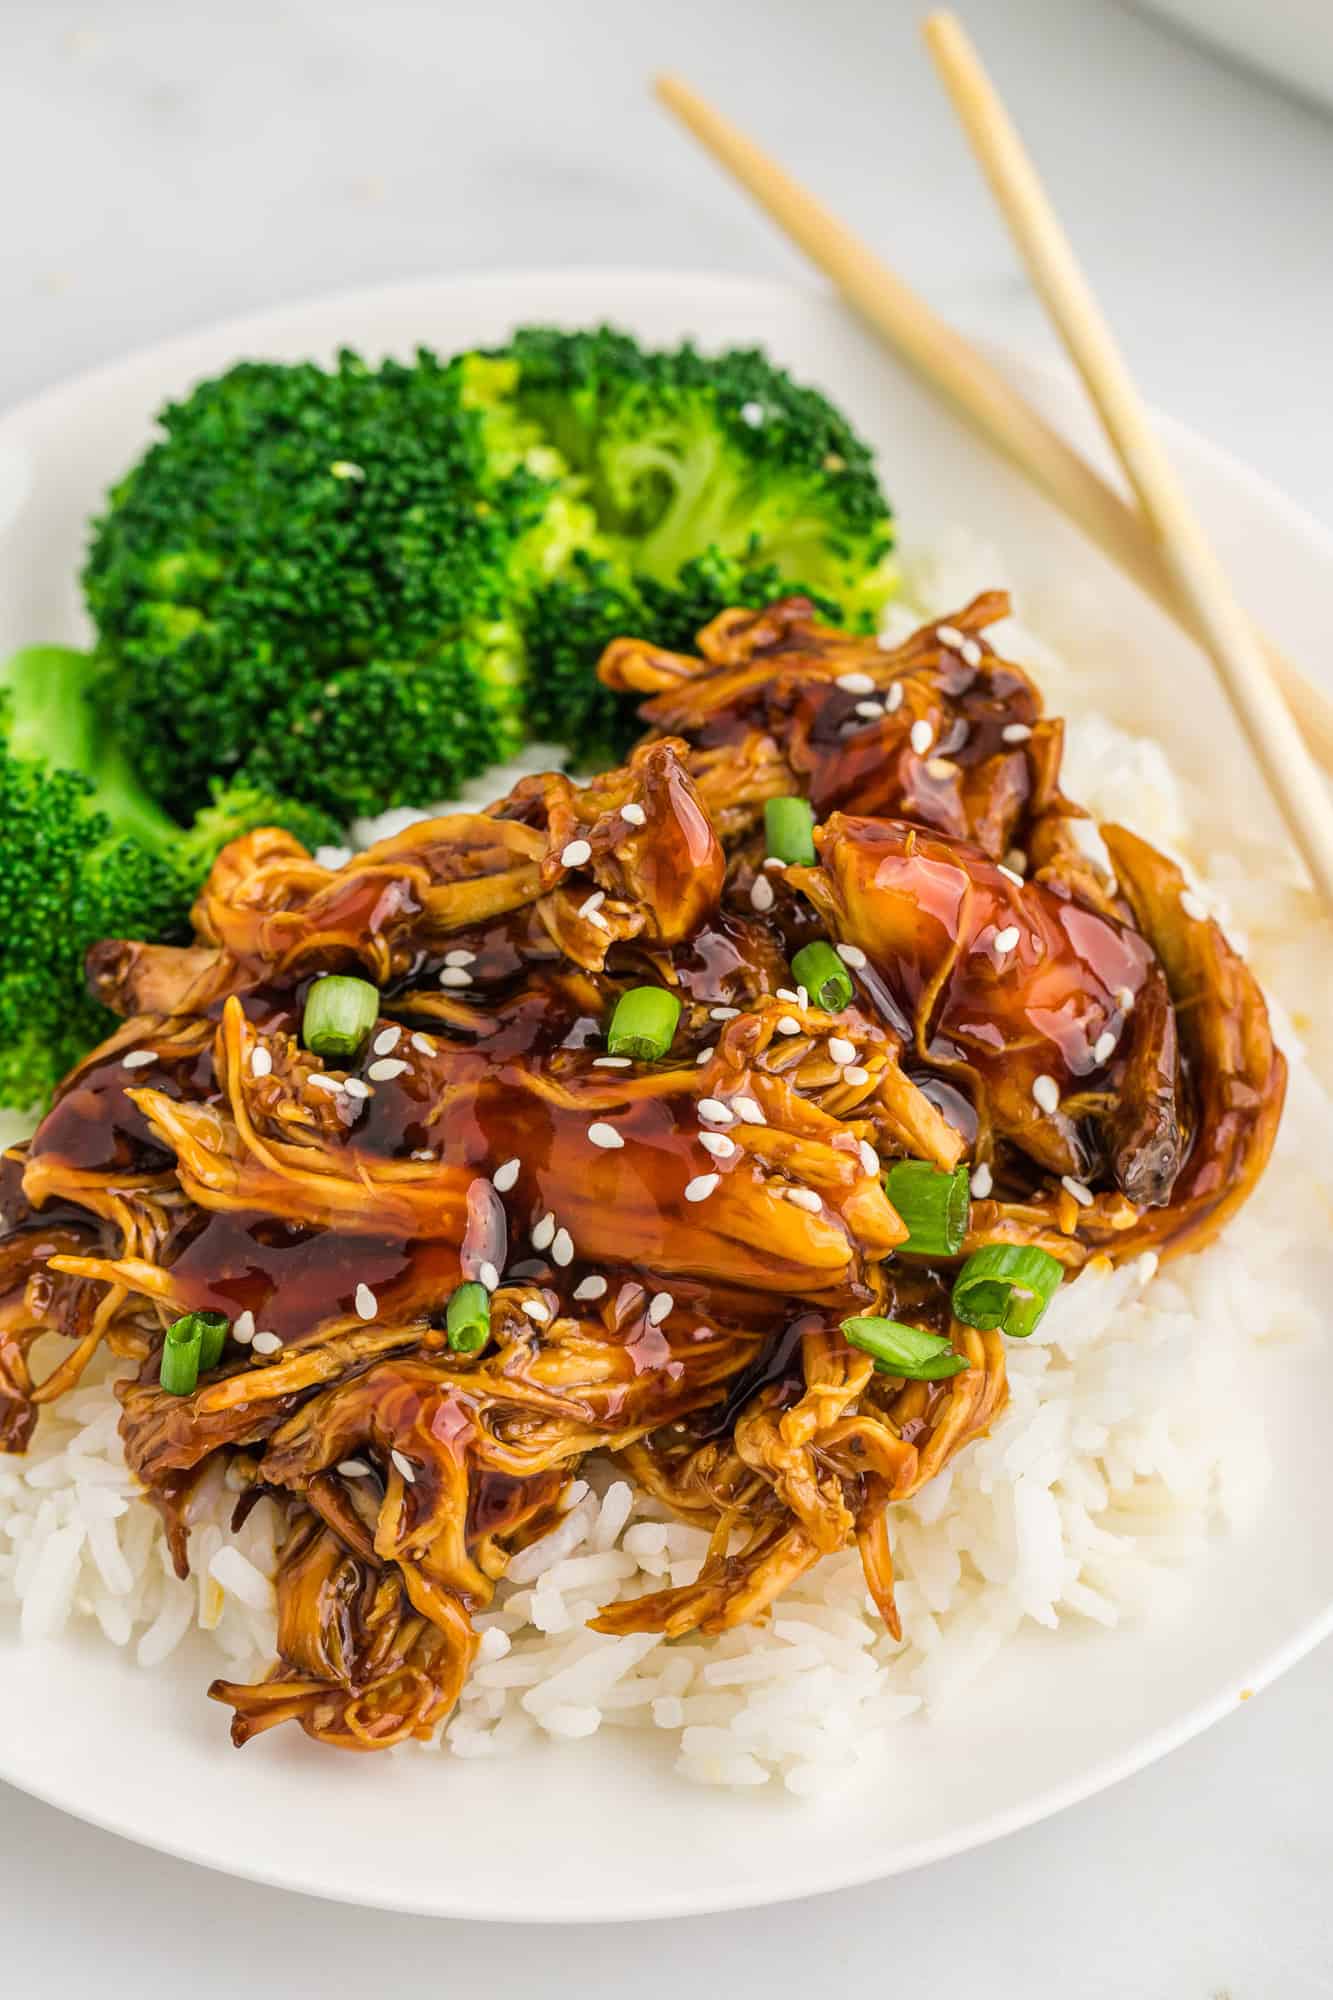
168,164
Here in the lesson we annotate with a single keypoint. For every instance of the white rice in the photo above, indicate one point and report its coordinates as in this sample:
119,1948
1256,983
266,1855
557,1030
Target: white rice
1128,1442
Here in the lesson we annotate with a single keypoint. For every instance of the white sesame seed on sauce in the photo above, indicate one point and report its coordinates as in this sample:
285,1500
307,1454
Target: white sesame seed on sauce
788,1025
613,1062
261,1062
1046,1093
1124,999
761,893
367,1305
970,653
355,1088
590,1288
851,954
941,768
893,700
658,1307
752,413
422,1153
855,1075
592,903
1011,875
488,1276
562,1250
1015,732
386,1069
635,814
460,957
266,1343
387,1040
855,683
243,1327
802,997
1082,1195
869,1157
718,1144
714,1112
455,975
1103,1048
948,635
543,1232
870,710
1193,906
789,994
805,1198
701,1187
723,1013
537,1310
576,853
774,861
705,1055
1006,939
321,1082
921,736
139,1059
982,1181
504,1176
404,1468
605,1136
841,1050
747,1110
353,1468
423,1045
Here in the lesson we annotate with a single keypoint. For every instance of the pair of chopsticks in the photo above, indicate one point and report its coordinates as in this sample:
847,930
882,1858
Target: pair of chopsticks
1161,545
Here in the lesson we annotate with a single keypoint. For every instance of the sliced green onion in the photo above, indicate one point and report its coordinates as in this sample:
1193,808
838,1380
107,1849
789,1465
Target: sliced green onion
824,976
339,1014
468,1319
933,1204
216,1327
179,1368
789,830
1006,1286
909,1351
643,1023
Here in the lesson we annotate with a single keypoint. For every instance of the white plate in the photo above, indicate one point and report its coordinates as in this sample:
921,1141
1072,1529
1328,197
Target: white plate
601,1829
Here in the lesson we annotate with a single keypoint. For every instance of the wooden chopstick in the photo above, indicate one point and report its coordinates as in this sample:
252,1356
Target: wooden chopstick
975,388
1201,581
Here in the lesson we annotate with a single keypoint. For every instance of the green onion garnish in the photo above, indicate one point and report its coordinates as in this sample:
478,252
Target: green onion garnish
933,1204
179,1368
909,1351
643,1023
789,830
468,1319
214,1338
339,1014
1007,1287
824,976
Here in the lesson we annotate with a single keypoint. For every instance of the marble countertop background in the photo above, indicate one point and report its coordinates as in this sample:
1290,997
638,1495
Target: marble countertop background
170,164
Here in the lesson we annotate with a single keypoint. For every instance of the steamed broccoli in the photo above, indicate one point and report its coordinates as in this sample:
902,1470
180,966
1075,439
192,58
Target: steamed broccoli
86,854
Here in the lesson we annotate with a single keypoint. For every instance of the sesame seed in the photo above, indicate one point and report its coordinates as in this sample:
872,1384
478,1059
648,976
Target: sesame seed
802,997
851,954
921,737
982,1181
593,903
723,1013
658,1307
869,1157
1124,999
701,1187
1082,1195
855,683
1193,907
576,853
893,700
635,814
423,1045
855,1075
948,635
752,413
1011,875
266,1343
590,1288
805,1198
543,1232
747,1109
460,957
139,1059
322,1082
1006,939
718,1144
562,1250
971,653
367,1305
387,1040
355,1088
761,893
386,1069
422,1153
1046,1092
613,1062
243,1328
788,993
605,1135
841,1050
261,1062
1103,1048
596,918
941,768
774,861
1147,1266
1015,732
714,1112
455,975
1015,862
488,1275
788,1025
504,1176
535,1309
404,1467
705,1055
871,710
353,1468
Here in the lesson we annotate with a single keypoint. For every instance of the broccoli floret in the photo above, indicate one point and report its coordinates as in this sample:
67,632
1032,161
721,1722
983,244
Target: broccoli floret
86,854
